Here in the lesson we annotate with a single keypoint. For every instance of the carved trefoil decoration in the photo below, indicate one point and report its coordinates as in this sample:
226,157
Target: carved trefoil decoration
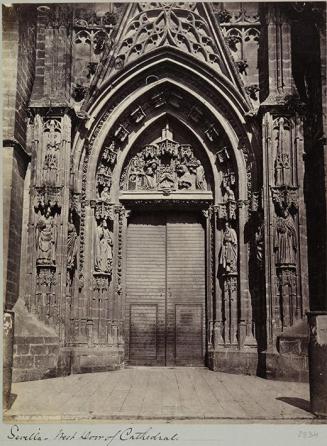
163,166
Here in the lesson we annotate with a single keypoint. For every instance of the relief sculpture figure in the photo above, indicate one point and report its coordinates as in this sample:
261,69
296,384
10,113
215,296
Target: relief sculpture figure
228,254
71,245
103,249
285,242
46,240
200,177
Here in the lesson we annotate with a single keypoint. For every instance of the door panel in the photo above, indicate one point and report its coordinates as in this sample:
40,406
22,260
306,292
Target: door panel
143,333
165,293
145,287
188,334
186,290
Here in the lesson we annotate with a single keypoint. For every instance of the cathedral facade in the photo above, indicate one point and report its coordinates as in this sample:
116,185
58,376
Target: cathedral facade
166,191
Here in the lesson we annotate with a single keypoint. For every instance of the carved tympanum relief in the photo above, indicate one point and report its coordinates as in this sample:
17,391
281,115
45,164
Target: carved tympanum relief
164,165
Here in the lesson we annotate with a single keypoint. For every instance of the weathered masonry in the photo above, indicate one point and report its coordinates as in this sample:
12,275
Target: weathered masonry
174,208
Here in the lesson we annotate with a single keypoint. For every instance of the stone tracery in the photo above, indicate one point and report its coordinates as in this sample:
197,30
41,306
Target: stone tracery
175,24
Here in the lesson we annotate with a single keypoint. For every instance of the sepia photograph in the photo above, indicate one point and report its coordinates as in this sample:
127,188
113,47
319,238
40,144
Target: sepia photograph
164,193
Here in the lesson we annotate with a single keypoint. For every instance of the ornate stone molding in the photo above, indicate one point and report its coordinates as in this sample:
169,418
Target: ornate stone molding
285,198
47,196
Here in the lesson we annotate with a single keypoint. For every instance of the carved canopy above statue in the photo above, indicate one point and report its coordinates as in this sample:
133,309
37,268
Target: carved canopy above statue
164,166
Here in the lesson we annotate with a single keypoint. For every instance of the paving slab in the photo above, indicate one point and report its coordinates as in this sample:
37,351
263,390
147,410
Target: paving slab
159,393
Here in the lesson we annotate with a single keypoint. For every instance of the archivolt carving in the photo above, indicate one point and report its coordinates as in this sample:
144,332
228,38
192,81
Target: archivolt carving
165,165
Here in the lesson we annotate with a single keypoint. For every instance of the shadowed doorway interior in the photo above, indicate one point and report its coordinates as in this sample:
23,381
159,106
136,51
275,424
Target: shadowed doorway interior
165,294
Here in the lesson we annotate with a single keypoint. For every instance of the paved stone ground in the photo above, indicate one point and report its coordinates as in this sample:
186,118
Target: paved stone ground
147,393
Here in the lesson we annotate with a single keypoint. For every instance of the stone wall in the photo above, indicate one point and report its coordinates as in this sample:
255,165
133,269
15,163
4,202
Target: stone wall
36,347
18,58
35,358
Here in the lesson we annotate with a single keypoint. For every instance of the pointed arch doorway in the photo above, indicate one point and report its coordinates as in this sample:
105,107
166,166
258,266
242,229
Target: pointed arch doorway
166,185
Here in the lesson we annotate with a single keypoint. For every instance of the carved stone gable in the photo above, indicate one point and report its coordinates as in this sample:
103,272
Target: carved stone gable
188,27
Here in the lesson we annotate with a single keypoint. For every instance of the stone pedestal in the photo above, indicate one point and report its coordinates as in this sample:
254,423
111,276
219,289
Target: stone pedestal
96,359
233,360
288,359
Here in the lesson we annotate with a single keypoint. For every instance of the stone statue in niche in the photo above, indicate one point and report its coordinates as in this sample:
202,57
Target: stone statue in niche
103,248
228,253
229,194
52,135
46,239
72,239
285,239
105,194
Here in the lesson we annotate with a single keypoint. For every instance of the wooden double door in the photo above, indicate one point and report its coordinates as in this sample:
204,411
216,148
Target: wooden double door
165,292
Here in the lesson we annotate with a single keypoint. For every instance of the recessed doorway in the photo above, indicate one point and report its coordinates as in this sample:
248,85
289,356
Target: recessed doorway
165,292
